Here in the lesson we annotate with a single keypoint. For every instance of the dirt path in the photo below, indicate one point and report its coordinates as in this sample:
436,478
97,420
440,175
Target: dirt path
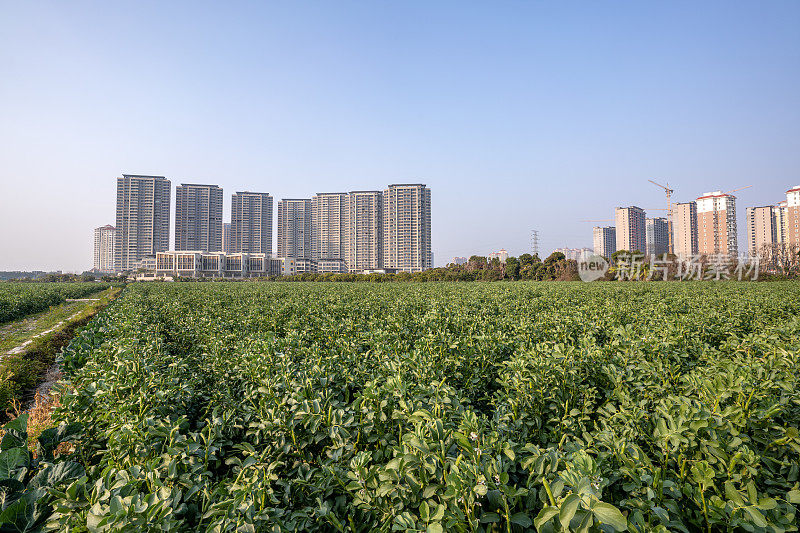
16,336
21,347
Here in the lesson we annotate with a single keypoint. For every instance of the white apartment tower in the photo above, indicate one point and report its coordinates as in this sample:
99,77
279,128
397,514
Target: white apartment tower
631,229
684,229
792,223
142,228
605,241
716,224
364,231
328,225
198,217
104,248
294,228
407,227
251,223
656,236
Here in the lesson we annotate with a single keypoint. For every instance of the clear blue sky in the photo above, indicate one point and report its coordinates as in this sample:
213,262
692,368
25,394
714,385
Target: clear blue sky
518,115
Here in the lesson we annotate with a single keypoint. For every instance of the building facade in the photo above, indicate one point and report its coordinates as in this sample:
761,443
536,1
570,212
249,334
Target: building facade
104,248
792,223
575,254
605,240
656,236
329,225
407,227
364,231
294,228
198,217
684,229
197,264
716,224
251,223
630,228
142,225
761,229
226,237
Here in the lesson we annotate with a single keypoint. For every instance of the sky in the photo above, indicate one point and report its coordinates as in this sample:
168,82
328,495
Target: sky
517,115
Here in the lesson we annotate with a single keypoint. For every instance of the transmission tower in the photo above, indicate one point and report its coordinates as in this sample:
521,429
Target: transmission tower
535,241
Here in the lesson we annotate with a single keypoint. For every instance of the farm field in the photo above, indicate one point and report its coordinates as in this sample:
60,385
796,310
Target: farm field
18,300
435,407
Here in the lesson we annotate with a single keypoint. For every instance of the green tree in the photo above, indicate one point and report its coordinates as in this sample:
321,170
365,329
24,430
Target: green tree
554,258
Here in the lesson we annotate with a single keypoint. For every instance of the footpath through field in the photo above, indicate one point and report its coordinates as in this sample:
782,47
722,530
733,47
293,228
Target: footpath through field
17,335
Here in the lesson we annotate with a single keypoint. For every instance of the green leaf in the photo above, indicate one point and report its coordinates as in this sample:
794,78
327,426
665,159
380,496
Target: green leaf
53,475
11,460
608,514
439,513
568,508
19,424
756,516
732,494
424,511
585,523
521,519
793,496
434,527
544,516
52,437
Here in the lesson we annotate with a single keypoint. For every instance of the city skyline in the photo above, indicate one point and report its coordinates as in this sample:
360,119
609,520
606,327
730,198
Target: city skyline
520,117
364,230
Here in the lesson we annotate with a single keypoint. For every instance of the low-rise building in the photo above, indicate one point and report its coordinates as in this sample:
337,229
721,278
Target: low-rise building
575,254
197,264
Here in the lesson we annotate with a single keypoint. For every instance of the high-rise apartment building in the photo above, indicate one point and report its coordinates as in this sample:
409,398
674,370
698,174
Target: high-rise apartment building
605,241
684,229
501,255
328,225
716,224
226,237
251,223
198,217
656,236
792,224
631,229
407,227
364,231
761,229
142,228
104,248
294,228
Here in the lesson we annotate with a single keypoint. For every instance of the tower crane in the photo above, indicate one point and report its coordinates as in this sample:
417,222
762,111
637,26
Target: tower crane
739,189
669,212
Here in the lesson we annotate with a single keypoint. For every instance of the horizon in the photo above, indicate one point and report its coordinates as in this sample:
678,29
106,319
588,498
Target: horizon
516,116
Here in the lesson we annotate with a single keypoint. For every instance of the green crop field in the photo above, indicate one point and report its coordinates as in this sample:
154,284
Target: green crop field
18,300
431,407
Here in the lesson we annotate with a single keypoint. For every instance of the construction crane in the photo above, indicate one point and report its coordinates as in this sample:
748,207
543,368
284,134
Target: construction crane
669,212
603,220
739,189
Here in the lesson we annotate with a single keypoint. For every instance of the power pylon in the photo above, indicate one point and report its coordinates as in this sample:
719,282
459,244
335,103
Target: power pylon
535,241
